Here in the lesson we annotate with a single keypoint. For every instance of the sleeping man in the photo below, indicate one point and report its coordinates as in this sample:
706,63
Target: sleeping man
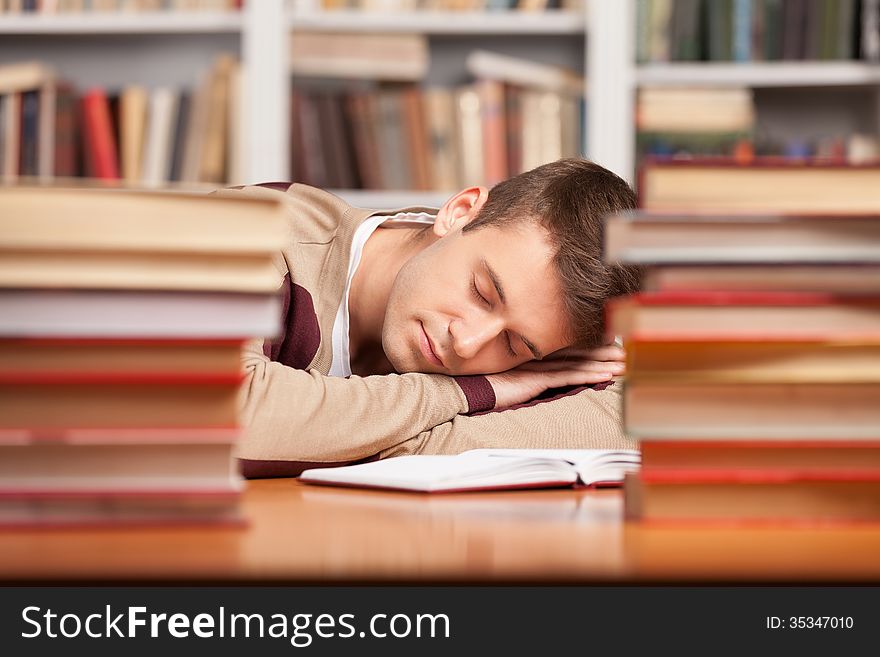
434,331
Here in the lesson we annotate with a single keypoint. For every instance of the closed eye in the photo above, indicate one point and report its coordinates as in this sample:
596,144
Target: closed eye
479,297
510,350
485,302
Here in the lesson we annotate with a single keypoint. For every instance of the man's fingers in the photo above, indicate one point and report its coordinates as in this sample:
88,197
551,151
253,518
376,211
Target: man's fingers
607,353
610,352
569,378
574,365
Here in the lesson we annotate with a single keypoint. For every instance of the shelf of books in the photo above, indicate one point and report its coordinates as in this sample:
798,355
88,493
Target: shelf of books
440,22
162,92
405,109
404,136
134,135
740,79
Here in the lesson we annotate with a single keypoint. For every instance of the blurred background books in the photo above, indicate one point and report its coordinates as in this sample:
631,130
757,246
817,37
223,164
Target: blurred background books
403,102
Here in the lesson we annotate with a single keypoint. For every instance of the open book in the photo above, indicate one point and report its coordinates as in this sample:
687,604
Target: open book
486,469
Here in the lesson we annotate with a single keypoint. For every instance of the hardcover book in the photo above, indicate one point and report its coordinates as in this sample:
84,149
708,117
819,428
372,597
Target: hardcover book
813,456
768,185
744,316
652,238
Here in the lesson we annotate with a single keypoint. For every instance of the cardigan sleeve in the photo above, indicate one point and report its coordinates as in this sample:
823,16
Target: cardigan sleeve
584,418
295,418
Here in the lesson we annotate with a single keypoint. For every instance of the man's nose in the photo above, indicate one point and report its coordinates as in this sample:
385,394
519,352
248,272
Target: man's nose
470,335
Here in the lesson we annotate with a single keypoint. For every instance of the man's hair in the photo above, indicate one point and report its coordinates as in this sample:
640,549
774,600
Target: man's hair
569,198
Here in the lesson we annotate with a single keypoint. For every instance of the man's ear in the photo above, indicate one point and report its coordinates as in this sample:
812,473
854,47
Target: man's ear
460,210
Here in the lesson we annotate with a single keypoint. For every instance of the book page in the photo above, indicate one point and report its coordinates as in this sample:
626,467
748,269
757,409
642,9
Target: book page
594,466
466,471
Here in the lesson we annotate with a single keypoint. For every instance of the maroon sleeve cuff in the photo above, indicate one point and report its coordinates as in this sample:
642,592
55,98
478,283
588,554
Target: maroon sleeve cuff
478,391
253,469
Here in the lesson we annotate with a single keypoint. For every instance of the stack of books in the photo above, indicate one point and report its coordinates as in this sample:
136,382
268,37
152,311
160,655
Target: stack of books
122,317
753,365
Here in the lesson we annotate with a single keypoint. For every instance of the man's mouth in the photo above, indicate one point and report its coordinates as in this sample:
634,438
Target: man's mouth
427,347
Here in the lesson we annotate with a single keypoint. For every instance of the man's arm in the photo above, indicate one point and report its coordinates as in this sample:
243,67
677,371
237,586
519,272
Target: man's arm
293,415
586,419
296,419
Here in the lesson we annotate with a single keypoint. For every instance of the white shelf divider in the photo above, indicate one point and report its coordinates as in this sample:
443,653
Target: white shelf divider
760,74
611,81
266,98
93,23
439,22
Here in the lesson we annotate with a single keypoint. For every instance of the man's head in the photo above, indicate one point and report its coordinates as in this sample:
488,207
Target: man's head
509,275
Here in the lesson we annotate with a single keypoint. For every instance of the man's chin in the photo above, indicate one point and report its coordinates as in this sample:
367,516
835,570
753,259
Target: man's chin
412,365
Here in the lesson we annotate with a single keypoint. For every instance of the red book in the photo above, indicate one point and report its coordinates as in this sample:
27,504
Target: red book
48,401
99,141
669,456
71,355
782,495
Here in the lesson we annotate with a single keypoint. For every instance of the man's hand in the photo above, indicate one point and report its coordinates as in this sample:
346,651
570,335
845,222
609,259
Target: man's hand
567,367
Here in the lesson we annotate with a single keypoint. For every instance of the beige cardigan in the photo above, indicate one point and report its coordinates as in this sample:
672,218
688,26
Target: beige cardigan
295,416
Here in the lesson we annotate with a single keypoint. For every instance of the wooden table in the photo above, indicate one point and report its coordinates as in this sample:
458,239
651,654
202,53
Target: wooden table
299,533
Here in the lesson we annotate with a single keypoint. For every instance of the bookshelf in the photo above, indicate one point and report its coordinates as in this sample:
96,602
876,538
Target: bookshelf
792,97
174,48
552,37
112,49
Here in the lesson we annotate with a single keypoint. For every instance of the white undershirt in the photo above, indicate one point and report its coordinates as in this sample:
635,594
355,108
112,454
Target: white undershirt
341,365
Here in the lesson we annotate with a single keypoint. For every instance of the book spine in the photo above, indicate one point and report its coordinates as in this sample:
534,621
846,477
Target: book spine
417,137
494,131
180,127
30,108
870,46
98,139
742,30
48,100
773,29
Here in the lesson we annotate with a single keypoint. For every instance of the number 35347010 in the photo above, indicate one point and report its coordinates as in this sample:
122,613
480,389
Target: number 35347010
810,622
